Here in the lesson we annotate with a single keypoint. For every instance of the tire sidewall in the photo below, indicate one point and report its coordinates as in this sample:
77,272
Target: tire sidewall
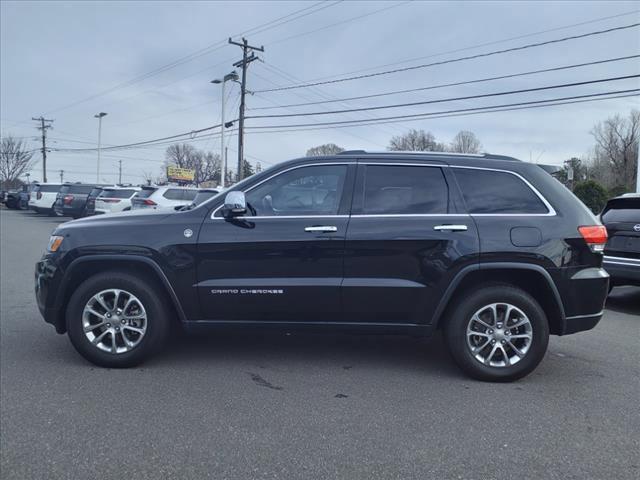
155,307
455,333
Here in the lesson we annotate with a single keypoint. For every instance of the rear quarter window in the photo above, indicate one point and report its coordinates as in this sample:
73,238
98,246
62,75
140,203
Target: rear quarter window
493,192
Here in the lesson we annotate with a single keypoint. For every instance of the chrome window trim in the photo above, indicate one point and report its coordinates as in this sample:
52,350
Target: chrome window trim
391,215
213,217
550,210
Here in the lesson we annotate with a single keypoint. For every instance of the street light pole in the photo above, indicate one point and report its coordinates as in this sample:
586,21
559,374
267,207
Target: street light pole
99,117
223,158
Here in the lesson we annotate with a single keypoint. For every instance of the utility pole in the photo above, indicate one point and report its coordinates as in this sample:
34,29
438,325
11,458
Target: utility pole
246,60
224,181
61,176
44,125
638,166
99,117
120,172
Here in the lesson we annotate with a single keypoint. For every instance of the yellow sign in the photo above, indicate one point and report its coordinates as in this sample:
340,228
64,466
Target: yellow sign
178,174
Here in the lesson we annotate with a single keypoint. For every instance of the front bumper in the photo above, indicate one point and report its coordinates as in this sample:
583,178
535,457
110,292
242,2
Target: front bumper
623,270
47,282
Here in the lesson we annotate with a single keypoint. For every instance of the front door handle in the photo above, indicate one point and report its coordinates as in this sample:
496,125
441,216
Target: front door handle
321,228
450,228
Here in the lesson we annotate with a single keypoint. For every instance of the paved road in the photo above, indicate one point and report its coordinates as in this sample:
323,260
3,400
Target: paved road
302,406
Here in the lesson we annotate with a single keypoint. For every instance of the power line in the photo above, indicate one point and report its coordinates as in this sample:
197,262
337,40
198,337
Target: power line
486,44
199,53
424,115
309,32
453,84
427,102
454,60
192,133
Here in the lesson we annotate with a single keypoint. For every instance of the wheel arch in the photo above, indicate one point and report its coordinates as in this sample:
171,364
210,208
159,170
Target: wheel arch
531,278
83,267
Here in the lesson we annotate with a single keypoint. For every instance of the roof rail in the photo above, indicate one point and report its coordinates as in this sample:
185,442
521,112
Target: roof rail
409,152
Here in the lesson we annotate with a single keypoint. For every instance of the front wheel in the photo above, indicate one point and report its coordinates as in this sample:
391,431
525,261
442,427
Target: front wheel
497,333
117,320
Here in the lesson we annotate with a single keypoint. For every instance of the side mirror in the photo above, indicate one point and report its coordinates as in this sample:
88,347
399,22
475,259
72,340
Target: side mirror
235,204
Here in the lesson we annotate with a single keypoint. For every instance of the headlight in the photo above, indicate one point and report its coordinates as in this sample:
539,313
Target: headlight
54,243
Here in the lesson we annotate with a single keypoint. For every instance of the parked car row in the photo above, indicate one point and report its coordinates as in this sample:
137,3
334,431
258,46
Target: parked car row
78,200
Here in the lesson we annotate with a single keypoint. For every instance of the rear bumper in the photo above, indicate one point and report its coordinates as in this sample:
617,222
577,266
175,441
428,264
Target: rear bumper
584,292
623,271
580,323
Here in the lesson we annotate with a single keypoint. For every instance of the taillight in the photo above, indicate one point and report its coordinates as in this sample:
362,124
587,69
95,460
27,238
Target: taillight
39,195
110,200
149,202
595,236
67,199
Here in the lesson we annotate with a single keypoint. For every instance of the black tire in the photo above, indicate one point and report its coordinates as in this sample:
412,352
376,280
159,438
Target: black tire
158,318
455,332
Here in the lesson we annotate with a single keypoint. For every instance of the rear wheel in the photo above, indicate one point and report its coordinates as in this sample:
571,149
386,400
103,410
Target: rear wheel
117,320
497,333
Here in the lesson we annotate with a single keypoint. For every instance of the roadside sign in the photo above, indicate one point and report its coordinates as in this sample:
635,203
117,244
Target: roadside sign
178,174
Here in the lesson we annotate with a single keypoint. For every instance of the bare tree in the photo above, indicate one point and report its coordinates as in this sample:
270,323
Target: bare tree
15,160
617,147
207,165
322,150
465,142
416,141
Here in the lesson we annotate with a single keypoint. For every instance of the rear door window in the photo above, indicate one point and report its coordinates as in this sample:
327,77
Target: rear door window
493,192
404,190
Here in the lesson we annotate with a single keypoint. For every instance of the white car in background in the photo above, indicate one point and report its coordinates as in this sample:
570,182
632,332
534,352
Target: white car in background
165,196
115,199
43,196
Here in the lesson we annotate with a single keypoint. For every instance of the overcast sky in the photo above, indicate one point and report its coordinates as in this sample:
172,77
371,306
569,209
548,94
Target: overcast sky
56,55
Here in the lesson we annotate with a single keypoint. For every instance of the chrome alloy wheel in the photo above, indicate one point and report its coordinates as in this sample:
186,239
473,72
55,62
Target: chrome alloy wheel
499,335
114,321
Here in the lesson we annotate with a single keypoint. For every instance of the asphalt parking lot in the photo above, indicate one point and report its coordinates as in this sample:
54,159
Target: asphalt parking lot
303,406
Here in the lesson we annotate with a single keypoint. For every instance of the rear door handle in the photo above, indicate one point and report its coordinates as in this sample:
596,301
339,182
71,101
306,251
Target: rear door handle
450,228
321,228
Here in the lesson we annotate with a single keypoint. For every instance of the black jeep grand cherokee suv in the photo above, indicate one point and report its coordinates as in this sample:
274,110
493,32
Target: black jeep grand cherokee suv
494,251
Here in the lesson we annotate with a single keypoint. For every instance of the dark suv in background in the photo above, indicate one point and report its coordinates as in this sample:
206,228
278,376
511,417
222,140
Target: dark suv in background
493,251
72,198
621,216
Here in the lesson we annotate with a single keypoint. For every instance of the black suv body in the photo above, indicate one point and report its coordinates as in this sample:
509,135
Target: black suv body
621,216
493,250
72,198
